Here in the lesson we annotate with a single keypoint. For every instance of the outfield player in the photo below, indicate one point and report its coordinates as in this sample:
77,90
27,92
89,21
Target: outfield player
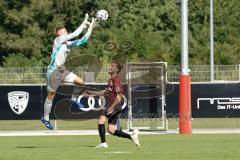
113,93
56,71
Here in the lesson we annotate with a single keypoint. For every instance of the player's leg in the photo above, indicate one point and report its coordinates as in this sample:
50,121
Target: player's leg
48,105
79,80
47,109
77,90
101,131
73,78
112,129
51,88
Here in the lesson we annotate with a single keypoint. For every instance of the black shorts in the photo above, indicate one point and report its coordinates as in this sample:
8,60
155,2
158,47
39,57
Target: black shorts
114,116
113,120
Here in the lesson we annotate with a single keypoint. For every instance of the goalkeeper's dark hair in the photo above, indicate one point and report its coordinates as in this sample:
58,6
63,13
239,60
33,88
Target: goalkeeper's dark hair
119,66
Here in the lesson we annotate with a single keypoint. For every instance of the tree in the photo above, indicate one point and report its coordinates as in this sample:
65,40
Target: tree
136,30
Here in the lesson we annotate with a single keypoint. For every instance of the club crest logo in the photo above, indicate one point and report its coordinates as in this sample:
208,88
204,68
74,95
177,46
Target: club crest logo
18,101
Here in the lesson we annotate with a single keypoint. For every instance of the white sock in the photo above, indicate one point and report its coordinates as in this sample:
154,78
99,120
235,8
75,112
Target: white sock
76,92
47,108
74,98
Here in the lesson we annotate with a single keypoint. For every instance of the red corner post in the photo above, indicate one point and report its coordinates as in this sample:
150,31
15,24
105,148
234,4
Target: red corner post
184,87
185,105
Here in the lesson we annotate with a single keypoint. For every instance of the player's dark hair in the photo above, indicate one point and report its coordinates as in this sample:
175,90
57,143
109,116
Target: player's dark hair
119,66
58,28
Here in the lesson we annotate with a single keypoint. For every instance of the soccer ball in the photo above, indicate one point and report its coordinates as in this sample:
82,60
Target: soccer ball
102,15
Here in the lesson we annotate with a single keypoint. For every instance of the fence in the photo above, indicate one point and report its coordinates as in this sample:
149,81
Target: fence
199,73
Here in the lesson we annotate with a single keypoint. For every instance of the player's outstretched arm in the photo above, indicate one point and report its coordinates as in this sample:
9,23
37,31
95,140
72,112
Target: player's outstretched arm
94,93
85,38
77,32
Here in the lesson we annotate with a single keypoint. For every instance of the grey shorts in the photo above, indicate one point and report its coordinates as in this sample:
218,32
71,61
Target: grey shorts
56,76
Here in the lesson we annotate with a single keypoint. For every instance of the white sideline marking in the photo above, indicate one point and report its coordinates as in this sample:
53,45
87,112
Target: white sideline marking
216,131
118,152
59,133
95,132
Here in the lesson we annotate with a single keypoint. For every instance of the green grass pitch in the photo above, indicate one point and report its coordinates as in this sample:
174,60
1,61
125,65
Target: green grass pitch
159,147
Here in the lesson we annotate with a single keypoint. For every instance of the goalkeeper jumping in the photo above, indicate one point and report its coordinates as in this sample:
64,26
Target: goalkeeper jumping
113,93
56,72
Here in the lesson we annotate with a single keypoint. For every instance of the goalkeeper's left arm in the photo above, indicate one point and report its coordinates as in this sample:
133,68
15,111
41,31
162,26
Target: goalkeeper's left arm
85,38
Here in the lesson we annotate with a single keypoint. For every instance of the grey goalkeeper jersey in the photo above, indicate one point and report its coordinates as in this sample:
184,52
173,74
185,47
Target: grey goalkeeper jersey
62,46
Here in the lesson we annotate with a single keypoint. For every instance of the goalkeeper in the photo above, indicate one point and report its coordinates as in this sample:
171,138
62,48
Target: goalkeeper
56,72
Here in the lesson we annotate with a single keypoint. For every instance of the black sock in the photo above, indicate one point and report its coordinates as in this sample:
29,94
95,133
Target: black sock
101,131
122,134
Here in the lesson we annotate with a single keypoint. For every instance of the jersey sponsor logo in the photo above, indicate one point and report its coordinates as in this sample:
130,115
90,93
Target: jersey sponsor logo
96,103
18,101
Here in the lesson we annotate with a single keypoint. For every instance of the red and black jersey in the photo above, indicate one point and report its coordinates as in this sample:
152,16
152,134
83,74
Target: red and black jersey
114,87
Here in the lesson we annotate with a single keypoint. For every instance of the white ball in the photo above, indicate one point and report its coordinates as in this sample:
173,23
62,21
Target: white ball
102,15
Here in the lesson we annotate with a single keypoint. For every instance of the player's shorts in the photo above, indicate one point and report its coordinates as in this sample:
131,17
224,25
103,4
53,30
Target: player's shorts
115,115
56,76
111,119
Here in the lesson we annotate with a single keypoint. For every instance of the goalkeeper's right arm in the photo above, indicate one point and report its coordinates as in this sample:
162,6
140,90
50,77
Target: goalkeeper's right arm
85,38
77,32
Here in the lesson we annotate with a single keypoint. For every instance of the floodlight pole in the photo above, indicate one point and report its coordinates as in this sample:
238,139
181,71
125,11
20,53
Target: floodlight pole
211,43
185,86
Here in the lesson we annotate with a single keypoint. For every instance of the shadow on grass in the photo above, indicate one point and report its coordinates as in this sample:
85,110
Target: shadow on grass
28,147
89,146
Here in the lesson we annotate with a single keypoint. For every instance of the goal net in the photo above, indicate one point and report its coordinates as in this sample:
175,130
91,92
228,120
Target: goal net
146,95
